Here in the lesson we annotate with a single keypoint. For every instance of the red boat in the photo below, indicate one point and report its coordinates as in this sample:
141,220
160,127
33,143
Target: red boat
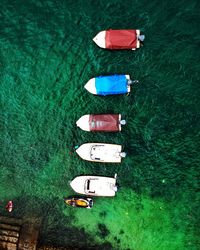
101,123
119,39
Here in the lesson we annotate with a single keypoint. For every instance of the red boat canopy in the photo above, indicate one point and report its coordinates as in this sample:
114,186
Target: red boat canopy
121,39
107,123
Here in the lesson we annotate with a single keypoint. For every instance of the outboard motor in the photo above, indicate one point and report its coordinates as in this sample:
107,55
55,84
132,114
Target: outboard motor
123,122
123,154
130,82
141,38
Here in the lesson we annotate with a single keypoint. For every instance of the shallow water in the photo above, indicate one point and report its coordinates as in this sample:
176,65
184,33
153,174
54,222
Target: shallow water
46,57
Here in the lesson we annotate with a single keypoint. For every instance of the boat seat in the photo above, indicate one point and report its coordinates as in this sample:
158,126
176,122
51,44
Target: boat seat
91,192
89,186
97,152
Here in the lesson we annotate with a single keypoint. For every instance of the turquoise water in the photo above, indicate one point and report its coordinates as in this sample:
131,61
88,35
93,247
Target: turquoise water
46,57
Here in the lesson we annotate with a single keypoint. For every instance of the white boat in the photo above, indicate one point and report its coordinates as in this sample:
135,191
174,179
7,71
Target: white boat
94,185
119,39
101,152
101,122
110,85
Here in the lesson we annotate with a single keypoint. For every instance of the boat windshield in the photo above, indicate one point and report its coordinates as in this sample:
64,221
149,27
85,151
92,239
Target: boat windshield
88,187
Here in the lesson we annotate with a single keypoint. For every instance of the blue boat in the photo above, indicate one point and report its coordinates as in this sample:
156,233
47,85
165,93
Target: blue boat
110,85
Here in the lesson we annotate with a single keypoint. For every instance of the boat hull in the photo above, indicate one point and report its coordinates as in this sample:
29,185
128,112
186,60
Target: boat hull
118,39
100,152
94,185
108,85
100,123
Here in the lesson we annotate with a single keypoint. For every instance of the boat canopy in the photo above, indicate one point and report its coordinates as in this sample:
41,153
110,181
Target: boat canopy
105,122
110,85
121,39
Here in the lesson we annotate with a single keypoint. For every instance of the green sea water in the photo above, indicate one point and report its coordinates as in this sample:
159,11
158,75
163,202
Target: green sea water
46,56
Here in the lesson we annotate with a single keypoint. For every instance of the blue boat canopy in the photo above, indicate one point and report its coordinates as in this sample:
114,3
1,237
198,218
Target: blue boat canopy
111,85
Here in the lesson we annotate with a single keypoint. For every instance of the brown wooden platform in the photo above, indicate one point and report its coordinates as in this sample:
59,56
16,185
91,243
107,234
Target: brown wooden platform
18,234
22,234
